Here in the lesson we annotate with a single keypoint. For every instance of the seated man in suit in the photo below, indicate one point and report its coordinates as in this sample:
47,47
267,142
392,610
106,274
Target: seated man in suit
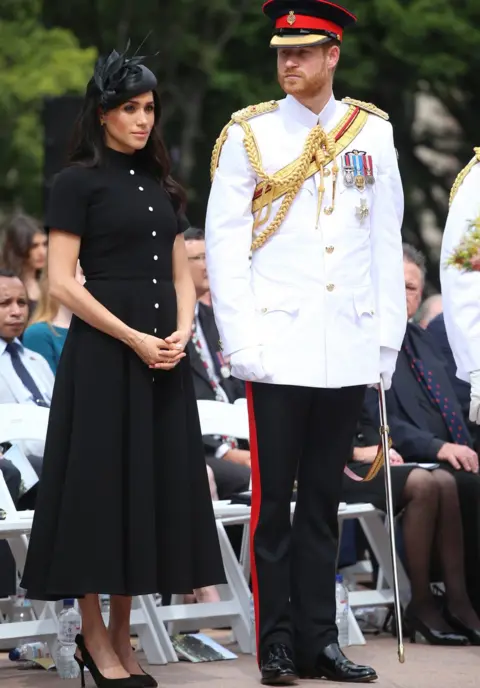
228,457
25,376
426,420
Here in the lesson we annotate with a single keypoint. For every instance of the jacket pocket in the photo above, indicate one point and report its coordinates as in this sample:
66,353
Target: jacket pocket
364,301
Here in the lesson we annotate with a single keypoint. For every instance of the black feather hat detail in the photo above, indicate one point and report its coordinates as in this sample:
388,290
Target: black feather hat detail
117,78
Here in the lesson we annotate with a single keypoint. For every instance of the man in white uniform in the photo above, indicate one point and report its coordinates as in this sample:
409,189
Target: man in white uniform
461,285
315,315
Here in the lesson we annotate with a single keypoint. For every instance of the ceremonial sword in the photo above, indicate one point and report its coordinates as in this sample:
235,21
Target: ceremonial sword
384,435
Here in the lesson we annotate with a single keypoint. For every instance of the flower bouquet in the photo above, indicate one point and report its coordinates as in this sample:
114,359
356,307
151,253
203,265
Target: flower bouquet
466,256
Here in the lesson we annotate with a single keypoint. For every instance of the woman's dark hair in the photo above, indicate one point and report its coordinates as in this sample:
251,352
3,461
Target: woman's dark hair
18,232
88,148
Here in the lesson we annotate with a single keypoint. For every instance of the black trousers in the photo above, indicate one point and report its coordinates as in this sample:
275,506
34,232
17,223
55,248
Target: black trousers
308,433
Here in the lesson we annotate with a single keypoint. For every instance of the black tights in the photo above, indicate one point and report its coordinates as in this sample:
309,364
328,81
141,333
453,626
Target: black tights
432,516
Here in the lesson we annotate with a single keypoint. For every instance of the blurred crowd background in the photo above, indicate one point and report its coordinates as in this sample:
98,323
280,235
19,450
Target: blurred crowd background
416,59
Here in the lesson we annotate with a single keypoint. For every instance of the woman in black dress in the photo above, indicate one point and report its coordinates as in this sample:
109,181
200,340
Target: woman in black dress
432,529
124,505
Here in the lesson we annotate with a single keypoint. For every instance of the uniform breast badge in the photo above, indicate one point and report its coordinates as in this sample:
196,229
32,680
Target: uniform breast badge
362,211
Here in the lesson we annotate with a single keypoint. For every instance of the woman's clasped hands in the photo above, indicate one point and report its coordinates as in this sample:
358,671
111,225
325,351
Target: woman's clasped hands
161,354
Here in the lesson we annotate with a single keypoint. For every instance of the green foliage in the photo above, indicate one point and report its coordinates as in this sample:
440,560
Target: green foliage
34,63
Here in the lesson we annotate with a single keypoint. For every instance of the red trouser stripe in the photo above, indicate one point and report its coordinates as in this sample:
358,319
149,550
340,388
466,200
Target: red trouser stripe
256,501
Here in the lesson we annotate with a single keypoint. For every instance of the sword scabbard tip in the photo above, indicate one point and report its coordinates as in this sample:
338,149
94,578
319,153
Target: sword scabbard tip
401,654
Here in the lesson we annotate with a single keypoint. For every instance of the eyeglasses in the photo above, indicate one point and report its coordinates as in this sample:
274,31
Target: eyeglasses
200,258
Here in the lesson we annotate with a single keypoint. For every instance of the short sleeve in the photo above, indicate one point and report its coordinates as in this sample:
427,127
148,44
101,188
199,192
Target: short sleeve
182,224
68,202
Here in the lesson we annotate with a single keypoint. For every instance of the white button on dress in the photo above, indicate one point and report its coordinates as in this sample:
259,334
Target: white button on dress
155,257
132,171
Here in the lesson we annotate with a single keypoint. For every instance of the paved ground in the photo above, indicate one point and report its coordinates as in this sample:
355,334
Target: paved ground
425,667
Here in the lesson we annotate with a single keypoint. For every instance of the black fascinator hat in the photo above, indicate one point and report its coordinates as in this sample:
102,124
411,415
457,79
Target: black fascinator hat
118,78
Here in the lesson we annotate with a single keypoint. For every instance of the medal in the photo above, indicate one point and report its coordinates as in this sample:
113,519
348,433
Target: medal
368,164
362,211
357,159
347,168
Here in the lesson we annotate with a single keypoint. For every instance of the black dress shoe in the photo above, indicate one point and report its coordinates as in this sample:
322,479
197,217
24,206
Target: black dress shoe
277,667
332,664
470,633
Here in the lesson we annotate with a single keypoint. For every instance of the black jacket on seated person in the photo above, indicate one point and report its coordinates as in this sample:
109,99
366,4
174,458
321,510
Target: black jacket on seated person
417,426
438,331
234,388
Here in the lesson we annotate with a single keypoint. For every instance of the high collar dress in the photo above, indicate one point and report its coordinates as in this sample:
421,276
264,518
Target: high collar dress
123,505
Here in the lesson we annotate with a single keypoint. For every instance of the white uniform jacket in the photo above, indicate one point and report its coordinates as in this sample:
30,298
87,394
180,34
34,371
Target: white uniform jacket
461,290
321,301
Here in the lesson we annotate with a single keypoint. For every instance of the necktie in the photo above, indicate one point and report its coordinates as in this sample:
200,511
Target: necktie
24,375
455,423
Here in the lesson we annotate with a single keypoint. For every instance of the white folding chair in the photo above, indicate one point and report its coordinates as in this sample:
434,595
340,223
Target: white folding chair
216,418
29,422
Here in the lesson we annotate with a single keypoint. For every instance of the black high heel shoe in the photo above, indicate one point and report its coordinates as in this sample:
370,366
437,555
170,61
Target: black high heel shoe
100,680
433,637
472,634
145,680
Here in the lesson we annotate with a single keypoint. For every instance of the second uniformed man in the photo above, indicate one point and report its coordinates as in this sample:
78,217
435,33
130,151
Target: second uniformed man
306,272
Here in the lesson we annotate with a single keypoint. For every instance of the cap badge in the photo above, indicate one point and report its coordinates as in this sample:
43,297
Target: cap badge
291,19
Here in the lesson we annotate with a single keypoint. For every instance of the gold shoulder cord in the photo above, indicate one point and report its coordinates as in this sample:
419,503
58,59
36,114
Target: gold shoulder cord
319,145
461,177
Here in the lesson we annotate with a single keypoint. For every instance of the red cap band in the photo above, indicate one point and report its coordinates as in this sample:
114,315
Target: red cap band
301,21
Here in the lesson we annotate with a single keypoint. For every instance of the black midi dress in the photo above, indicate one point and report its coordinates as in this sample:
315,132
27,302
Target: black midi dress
123,505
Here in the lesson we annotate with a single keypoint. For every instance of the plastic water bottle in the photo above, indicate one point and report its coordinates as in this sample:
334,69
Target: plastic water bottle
69,624
341,596
253,632
29,651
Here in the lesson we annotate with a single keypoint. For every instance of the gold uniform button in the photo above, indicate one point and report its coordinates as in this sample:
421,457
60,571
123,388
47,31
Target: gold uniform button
326,173
330,249
330,287
264,310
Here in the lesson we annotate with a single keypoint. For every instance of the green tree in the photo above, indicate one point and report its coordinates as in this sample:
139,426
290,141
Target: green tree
35,62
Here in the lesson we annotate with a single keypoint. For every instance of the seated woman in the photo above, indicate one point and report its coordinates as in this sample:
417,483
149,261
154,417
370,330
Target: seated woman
48,326
24,251
432,526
